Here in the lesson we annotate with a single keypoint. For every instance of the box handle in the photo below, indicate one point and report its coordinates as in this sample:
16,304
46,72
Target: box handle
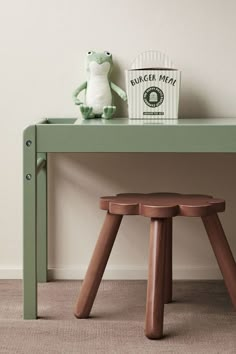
152,59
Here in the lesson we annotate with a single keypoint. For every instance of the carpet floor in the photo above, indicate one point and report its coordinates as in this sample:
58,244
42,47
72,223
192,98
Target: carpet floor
201,319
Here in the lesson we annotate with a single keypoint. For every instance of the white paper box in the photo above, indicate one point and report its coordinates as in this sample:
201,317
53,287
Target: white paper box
153,87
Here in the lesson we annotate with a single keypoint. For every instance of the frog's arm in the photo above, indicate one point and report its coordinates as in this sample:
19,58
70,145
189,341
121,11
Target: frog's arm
119,91
82,87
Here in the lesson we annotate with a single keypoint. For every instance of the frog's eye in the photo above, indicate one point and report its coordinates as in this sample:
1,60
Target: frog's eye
108,54
89,53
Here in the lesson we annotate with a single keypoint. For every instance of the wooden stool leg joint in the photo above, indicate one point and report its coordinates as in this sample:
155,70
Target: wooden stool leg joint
156,273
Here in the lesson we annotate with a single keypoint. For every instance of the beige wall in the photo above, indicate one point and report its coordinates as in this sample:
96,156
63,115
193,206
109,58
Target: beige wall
42,51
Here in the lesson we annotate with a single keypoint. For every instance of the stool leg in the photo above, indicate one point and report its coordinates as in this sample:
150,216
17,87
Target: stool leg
155,288
97,265
222,252
168,264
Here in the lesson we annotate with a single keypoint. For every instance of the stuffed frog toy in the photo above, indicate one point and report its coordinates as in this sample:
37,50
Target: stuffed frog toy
98,95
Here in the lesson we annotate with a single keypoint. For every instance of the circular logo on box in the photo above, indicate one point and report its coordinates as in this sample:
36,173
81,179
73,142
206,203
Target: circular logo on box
153,96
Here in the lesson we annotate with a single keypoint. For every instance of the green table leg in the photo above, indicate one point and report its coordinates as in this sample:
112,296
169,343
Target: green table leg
42,251
29,223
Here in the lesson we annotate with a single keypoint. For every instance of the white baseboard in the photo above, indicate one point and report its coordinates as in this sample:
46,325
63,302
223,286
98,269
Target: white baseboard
11,273
121,273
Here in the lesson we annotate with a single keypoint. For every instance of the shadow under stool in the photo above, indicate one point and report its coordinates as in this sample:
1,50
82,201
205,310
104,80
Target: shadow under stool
160,208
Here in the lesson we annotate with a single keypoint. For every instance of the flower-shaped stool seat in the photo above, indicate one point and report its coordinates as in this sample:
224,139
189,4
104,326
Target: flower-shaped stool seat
160,208
162,205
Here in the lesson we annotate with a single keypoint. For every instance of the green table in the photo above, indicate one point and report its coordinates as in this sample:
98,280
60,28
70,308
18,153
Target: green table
118,135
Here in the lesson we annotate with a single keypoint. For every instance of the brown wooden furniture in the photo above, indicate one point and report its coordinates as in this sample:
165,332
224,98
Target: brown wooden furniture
160,208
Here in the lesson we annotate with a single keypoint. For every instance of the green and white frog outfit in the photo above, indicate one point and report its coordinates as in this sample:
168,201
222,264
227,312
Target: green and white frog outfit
98,95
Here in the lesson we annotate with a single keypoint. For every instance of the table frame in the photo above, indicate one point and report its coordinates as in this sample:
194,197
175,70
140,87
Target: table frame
216,135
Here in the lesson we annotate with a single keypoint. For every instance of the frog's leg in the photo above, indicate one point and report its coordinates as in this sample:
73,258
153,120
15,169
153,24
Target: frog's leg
108,111
86,111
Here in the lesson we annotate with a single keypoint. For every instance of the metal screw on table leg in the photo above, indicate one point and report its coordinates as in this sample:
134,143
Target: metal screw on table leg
28,176
28,142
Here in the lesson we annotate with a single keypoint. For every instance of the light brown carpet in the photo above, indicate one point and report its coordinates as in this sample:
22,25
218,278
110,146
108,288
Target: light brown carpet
200,320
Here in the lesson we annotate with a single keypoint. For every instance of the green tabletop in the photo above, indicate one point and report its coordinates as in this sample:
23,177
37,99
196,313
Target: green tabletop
124,135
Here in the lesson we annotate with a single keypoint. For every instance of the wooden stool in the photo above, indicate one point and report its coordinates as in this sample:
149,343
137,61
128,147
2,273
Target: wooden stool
160,208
